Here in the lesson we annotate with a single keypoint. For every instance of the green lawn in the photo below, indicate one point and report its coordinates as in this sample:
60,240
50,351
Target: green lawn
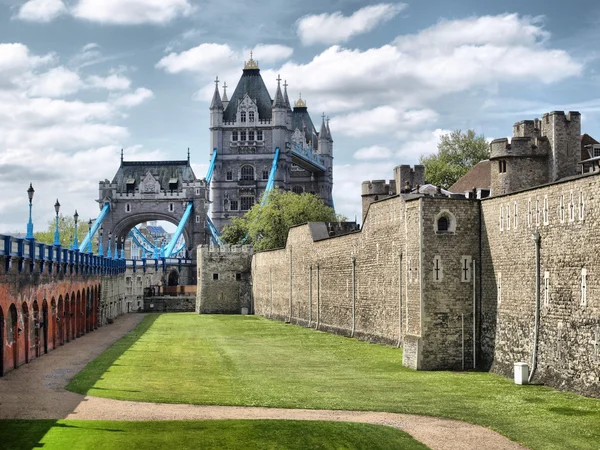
248,360
205,435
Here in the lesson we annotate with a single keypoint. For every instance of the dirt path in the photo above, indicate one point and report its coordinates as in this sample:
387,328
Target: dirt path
37,391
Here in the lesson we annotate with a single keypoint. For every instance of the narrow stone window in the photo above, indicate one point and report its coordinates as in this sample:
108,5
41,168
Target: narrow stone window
250,116
215,276
233,205
265,175
571,208
529,218
234,135
242,135
438,273
561,209
516,215
128,207
546,288
583,287
465,268
581,205
197,191
197,219
508,217
259,135
243,117
229,176
171,207
546,218
537,212
250,135
238,277
442,224
502,166
501,218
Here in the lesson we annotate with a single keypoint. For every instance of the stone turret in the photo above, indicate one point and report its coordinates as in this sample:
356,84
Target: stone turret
375,190
408,178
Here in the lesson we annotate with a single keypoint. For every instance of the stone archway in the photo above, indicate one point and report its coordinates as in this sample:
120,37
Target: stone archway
67,316
79,316
73,317
51,320
26,330
173,279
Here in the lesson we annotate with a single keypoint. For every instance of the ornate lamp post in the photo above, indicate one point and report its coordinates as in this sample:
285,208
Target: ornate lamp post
109,251
123,248
100,250
30,192
56,232
75,240
90,233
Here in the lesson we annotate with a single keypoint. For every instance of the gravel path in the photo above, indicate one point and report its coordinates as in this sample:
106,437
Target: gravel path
36,391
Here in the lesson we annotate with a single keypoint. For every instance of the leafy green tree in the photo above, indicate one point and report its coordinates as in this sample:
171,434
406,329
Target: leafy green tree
266,227
66,228
457,153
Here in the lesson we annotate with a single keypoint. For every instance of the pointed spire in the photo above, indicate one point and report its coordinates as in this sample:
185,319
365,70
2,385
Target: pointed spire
216,100
225,99
188,154
278,102
323,130
329,130
121,156
286,99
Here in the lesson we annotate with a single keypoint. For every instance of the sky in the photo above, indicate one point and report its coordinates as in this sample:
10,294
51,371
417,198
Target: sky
81,79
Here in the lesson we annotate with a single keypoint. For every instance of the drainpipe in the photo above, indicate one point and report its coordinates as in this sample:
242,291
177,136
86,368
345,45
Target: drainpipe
537,238
353,296
399,299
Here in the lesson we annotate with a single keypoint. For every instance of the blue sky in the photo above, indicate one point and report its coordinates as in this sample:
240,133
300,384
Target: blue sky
81,79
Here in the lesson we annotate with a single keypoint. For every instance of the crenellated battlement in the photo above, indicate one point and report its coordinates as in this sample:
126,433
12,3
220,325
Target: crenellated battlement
526,147
378,187
226,249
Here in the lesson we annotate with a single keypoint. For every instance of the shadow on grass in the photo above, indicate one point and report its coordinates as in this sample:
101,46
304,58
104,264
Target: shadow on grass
85,380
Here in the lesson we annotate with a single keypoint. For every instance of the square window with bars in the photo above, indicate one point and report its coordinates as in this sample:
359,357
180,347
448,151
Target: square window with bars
265,175
233,205
250,135
242,135
234,135
259,135
229,175
246,203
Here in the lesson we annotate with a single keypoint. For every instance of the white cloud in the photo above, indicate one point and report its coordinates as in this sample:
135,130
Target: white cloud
16,59
112,82
57,82
335,28
41,10
270,53
135,98
205,58
131,12
373,152
381,120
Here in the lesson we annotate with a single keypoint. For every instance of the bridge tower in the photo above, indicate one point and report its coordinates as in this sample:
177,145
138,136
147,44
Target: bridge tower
247,129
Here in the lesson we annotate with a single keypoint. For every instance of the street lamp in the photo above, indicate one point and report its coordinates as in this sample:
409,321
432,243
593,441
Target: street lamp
100,251
109,251
90,234
75,240
123,247
56,232
30,192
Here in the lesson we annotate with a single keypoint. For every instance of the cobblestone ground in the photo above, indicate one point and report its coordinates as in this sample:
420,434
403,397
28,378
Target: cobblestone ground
37,391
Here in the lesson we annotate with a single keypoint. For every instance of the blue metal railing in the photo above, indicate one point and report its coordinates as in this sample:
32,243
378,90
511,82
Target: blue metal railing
307,155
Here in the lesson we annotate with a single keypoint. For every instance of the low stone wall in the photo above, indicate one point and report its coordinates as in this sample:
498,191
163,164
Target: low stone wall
170,304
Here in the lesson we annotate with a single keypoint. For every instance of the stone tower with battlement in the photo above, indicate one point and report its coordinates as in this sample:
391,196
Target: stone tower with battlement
540,152
246,130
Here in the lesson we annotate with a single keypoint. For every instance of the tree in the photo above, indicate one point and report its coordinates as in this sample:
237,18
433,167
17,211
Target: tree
66,228
457,153
266,227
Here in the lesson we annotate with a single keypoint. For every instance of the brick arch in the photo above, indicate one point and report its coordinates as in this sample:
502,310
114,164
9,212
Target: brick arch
73,318
25,330
67,317
60,320
34,335
79,316
12,332
51,322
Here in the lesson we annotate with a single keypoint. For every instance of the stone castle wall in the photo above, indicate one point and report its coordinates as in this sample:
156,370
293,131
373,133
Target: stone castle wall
566,216
224,280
